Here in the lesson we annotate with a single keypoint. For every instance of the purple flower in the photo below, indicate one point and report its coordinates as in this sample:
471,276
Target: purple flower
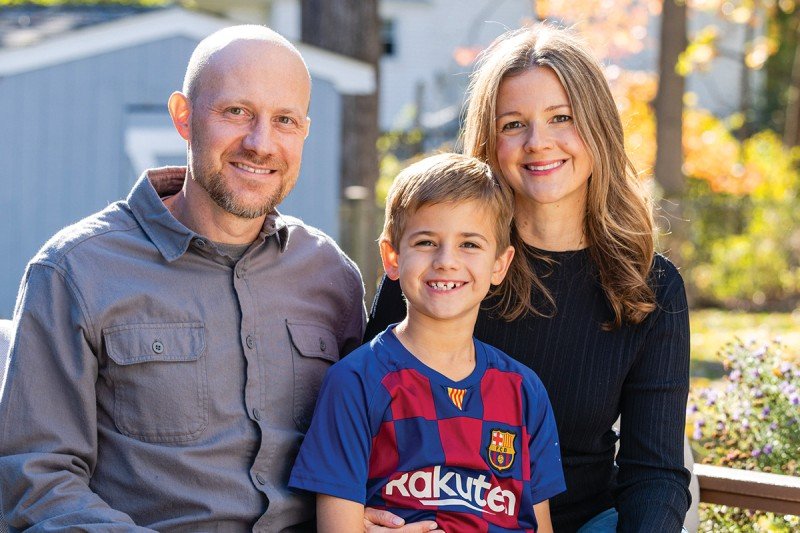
720,426
773,426
692,408
756,372
756,452
794,398
745,423
766,411
759,354
767,449
698,434
785,367
735,375
758,393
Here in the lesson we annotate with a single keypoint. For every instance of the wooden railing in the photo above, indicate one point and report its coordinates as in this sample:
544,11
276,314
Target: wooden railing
749,490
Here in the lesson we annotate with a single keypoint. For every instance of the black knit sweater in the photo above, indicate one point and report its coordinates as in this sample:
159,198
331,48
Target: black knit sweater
592,376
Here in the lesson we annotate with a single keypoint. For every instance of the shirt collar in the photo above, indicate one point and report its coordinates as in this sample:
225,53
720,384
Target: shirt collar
170,236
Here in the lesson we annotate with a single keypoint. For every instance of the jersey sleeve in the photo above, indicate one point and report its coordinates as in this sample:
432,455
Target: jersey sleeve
334,457
547,474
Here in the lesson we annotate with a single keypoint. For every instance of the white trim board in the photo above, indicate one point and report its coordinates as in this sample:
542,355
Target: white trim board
348,75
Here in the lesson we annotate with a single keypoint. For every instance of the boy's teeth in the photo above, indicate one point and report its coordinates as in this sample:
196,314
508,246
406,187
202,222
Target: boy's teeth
445,285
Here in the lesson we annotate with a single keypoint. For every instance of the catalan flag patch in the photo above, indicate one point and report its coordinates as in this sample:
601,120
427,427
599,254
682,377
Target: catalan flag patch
457,397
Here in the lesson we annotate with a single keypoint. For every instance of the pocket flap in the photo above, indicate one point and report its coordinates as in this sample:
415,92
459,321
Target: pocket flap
136,343
313,340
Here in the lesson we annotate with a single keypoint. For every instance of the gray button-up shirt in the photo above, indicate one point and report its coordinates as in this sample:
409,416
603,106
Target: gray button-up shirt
155,381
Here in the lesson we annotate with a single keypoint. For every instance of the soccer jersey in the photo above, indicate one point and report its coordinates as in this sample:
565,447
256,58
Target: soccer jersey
391,433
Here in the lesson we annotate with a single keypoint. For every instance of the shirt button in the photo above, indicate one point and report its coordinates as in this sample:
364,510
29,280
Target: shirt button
200,242
322,344
260,478
256,414
250,342
158,347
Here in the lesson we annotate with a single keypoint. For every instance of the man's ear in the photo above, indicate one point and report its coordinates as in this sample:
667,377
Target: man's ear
180,109
501,265
389,257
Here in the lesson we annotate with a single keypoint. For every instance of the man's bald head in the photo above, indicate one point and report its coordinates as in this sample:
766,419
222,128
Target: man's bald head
212,46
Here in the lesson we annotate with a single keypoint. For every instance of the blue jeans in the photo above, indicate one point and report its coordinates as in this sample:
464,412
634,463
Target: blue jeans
605,522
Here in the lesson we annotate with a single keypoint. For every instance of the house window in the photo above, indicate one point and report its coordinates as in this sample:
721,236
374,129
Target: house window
388,37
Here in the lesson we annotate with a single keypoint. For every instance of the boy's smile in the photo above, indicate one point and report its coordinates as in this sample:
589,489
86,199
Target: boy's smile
446,260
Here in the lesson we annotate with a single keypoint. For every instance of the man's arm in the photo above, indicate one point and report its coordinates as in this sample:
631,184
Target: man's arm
381,521
652,483
48,413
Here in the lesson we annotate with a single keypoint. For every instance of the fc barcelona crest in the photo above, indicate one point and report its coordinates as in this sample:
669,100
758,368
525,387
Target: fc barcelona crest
501,449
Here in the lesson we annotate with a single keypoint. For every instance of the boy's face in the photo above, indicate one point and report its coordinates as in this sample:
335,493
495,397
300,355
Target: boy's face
446,260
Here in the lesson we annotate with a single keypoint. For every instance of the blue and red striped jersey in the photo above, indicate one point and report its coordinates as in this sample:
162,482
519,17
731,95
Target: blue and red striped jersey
473,455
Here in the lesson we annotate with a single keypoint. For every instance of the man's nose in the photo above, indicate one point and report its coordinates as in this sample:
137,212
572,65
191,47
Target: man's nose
260,137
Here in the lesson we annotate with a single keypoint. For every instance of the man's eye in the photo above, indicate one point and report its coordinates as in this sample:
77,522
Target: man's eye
236,111
286,120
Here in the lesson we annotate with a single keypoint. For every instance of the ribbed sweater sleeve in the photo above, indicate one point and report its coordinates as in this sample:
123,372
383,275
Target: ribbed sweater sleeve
651,481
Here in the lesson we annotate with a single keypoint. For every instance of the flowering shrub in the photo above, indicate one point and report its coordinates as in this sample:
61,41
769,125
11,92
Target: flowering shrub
750,421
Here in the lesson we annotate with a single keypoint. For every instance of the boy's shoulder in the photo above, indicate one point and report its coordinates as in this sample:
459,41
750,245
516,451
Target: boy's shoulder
501,361
370,361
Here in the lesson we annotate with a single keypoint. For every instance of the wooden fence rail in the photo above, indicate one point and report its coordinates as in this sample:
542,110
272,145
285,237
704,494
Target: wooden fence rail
749,490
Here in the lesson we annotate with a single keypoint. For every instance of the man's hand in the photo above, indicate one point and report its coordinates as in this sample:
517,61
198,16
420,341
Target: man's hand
377,521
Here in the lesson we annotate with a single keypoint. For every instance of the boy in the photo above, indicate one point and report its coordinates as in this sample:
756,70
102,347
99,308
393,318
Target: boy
426,421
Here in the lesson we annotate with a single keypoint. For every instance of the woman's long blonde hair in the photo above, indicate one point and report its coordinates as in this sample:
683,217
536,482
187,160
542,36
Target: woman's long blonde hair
618,221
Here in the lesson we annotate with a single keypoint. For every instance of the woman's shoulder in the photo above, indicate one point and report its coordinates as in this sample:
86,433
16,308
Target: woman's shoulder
665,278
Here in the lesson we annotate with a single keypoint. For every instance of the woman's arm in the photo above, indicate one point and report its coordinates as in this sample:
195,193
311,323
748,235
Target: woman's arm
542,512
652,483
336,515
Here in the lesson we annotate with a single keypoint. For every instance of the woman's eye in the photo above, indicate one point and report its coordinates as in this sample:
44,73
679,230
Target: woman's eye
514,124
562,118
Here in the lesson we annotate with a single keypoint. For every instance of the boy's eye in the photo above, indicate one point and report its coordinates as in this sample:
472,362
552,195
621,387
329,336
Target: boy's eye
425,242
470,244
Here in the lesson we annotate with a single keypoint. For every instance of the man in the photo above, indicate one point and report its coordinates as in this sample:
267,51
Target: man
168,350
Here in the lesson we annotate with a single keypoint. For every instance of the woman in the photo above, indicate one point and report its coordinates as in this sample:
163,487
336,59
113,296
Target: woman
606,327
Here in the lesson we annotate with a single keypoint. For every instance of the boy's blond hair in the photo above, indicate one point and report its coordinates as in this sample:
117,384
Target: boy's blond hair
444,178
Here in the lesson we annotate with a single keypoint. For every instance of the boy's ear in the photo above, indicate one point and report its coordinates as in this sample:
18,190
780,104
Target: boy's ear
501,265
389,257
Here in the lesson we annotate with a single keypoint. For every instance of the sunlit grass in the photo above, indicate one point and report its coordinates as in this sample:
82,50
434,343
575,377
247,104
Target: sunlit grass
712,329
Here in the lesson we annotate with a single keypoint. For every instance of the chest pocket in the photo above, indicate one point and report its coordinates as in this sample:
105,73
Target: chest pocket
160,380
314,350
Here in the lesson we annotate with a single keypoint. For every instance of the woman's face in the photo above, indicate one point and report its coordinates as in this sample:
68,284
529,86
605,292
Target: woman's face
539,150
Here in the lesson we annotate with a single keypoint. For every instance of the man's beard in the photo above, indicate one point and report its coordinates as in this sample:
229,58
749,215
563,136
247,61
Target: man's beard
220,191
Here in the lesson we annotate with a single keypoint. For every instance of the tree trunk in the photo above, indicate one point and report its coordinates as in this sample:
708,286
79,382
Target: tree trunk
352,28
669,128
791,131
